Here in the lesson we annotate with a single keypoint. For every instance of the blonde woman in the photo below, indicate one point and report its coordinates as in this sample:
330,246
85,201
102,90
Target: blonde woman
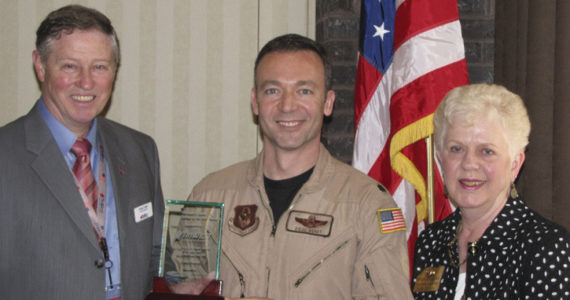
493,246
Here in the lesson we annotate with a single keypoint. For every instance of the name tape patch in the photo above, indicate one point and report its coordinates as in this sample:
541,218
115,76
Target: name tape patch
309,223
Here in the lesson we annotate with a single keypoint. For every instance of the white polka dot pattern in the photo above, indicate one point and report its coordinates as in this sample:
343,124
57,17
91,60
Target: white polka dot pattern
520,256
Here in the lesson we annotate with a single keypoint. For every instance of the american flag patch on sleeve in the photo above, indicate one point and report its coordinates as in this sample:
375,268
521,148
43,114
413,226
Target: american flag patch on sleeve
390,220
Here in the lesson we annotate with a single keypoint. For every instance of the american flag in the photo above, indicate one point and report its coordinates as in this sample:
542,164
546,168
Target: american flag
391,220
411,55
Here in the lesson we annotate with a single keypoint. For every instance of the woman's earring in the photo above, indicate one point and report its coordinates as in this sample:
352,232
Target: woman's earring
514,193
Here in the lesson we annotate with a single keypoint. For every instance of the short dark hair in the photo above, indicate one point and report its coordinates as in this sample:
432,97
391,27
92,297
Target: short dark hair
68,18
296,42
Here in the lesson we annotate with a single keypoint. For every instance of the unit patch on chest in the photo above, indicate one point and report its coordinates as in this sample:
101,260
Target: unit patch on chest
244,220
309,223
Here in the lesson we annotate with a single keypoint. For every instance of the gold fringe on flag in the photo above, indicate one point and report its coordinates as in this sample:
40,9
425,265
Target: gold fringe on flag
408,135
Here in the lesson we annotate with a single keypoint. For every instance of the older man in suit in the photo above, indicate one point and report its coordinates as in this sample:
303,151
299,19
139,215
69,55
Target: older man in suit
81,204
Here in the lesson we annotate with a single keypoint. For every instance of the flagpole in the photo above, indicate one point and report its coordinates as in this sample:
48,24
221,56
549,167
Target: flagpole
430,173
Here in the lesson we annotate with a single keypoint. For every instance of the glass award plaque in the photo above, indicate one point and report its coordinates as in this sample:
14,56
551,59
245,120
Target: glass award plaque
191,248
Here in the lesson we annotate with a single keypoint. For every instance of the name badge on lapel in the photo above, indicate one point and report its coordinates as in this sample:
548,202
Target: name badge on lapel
428,280
143,212
309,223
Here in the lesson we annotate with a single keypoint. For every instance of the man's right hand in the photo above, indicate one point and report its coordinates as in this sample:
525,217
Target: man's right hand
193,287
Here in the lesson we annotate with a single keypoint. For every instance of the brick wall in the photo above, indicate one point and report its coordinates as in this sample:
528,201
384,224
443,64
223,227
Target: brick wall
477,19
337,28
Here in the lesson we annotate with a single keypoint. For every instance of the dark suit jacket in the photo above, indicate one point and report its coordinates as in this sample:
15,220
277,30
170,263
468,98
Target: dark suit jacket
48,247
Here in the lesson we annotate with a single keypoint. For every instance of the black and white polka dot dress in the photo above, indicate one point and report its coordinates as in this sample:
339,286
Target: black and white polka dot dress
520,256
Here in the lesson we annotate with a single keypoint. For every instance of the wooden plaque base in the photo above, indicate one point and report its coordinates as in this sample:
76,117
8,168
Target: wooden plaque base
161,291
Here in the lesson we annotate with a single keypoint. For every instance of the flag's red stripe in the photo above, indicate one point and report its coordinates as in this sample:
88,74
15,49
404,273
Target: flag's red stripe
389,228
441,205
382,171
421,97
404,110
393,221
393,226
367,80
417,16
401,221
396,214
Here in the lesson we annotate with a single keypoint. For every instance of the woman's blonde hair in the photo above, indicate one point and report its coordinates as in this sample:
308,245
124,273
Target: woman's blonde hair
495,102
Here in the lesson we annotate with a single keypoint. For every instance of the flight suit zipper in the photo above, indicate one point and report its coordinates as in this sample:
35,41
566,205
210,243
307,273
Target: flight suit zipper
295,200
267,207
242,284
369,278
272,234
268,270
300,280
240,277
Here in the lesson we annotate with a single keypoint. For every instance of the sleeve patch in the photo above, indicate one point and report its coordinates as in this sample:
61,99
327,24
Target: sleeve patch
390,220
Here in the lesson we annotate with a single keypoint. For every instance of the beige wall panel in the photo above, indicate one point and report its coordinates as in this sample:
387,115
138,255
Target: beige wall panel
9,44
280,17
185,78
197,97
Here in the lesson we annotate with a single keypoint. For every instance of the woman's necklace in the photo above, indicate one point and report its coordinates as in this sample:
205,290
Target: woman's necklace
471,248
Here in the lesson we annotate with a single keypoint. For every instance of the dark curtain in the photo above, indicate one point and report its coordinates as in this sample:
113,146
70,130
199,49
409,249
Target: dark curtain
532,59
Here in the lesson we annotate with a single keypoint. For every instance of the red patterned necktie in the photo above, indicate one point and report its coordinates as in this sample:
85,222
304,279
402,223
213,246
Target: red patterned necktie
82,170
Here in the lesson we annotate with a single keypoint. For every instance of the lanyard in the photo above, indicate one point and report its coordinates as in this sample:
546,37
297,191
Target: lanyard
97,216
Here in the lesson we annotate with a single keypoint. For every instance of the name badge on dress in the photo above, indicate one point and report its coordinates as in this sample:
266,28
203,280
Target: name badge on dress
428,280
